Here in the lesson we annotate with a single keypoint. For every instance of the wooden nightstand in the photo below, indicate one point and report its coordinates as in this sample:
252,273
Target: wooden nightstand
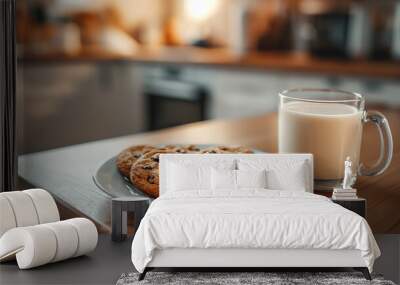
358,206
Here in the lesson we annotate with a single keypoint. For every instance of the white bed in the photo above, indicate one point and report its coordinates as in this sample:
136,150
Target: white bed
248,227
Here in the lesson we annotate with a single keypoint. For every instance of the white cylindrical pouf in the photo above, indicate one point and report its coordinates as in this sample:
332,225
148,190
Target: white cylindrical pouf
45,205
67,239
23,208
40,244
7,218
34,245
87,234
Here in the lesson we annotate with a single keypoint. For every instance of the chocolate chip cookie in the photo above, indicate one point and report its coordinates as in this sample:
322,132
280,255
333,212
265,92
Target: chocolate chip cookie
129,156
144,172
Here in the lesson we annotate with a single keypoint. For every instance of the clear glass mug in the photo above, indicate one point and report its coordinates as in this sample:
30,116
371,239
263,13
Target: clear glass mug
328,124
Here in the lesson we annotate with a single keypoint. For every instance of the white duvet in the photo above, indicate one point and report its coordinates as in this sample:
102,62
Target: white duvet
250,219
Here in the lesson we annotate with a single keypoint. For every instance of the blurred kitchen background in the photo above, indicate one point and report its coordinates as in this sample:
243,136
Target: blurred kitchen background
95,69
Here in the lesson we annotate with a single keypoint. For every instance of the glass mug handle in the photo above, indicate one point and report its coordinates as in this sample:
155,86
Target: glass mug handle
386,144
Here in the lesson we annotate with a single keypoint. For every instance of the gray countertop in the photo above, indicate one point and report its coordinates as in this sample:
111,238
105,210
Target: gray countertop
67,173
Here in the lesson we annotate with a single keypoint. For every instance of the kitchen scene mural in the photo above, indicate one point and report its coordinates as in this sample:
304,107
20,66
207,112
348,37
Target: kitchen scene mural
97,77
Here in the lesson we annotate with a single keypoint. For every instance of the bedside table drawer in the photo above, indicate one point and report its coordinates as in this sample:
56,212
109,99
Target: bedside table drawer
358,206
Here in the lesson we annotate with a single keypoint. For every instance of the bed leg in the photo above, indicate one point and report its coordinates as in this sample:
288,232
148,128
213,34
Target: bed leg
142,275
364,271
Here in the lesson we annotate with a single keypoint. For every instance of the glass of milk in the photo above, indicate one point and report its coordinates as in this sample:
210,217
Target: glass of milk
329,124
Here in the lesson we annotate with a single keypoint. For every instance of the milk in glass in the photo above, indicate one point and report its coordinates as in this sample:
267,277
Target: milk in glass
330,131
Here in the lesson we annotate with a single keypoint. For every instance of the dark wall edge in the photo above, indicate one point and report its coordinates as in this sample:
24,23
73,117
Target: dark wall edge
8,152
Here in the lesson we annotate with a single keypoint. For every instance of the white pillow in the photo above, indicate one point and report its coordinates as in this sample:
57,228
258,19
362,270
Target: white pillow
251,178
183,178
223,179
236,179
282,174
295,180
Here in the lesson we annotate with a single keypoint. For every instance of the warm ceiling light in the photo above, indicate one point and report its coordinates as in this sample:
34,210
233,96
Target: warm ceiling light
200,10
314,6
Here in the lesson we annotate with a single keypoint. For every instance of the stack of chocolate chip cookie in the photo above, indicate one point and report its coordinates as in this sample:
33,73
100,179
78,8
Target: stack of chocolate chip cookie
139,163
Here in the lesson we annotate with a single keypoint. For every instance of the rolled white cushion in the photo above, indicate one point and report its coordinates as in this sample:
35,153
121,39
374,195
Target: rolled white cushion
7,218
23,208
87,235
33,246
40,244
67,240
45,205
26,208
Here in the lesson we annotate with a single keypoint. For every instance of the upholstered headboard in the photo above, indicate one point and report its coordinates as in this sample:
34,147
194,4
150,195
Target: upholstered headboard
276,161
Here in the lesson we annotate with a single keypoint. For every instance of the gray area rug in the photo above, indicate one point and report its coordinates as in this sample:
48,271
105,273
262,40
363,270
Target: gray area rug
228,278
